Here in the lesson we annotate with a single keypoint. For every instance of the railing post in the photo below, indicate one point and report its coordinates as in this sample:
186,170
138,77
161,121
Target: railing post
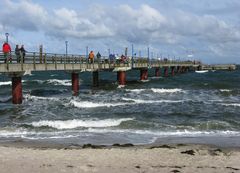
45,61
21,61
65,62
34,61
55,59
72,62
40,54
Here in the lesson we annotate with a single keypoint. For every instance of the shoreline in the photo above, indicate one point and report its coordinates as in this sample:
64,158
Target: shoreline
22,158
232,142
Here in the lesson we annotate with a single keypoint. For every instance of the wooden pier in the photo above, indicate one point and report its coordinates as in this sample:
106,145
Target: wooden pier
75,64
219,67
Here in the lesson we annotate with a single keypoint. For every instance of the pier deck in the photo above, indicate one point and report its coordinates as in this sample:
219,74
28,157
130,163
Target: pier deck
47,62
15,67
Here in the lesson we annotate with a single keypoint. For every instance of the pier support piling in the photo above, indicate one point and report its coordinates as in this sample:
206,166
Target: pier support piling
173,71
178,69
143,74
95,79
166,71
75,84
157,72
17,90
121,75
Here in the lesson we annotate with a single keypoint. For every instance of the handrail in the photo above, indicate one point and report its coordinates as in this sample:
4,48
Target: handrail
51,58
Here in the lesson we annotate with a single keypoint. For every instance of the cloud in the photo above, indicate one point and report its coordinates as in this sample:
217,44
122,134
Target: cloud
23,15
121,25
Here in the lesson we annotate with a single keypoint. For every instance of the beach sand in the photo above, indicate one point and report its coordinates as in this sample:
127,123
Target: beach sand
119,159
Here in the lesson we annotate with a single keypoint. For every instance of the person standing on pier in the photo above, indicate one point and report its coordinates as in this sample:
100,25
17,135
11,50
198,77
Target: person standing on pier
91,56
99,56
6,48
17,53
23,53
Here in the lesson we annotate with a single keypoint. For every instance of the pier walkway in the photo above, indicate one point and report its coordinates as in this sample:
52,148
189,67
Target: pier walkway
15,67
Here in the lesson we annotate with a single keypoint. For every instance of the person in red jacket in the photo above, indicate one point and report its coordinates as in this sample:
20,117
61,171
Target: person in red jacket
6,48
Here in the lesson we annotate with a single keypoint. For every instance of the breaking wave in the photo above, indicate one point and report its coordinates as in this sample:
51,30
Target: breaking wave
60,82
86,104
139,101
72,124
157,90
6,83
231,104
225,90
30,97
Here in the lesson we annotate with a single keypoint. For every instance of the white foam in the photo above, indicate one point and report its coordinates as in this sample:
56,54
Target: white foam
157,90
136,90
71,124
145,81
225,90
60,82
23,133
36,135
139,101
232,104
29,97
87,104
28,72
6,83
167,133
121,86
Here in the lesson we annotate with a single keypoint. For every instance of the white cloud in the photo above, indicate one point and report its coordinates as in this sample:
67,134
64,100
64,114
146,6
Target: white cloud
124,24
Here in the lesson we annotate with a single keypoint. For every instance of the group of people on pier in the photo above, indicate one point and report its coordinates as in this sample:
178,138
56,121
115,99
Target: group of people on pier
20,52
112,58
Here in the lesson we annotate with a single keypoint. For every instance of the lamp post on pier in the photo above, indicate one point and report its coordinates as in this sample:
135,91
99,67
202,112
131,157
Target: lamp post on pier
148,52
7,34
66,43
132,56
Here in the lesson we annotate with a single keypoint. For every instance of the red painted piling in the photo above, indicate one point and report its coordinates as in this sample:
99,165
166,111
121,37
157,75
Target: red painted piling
75,84
143,74
95,79
178,69
183,69
173,71
17,90
166,71
121,75
157,72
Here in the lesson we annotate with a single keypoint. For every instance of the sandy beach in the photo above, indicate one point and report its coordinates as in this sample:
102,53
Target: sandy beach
119,159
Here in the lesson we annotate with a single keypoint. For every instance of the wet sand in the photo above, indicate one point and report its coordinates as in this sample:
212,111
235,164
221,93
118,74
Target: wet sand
18,158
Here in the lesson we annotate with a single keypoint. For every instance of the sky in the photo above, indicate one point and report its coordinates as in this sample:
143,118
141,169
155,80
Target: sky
207,29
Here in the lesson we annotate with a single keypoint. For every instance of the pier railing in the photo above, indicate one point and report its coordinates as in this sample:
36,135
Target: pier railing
51,61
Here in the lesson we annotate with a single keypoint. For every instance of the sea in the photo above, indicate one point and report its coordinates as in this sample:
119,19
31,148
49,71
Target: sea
186,108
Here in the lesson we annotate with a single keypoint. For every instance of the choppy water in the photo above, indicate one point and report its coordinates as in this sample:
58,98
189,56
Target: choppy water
188,105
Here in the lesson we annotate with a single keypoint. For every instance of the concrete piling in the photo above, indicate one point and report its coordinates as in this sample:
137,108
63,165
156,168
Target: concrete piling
121,75
166,71
75,84
95,79
173,71
157,72
143,74
17,90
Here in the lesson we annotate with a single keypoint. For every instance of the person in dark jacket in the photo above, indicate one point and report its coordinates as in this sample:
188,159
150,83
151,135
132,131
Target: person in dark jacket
17,53
99,56
22,53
